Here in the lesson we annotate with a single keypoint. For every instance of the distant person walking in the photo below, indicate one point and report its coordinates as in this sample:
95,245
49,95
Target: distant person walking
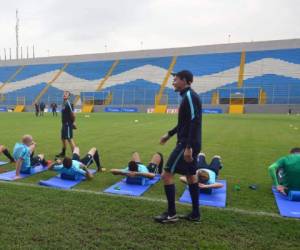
42,108
54,108
37,109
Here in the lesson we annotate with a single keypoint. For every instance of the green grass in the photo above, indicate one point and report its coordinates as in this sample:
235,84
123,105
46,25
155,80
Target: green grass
59,219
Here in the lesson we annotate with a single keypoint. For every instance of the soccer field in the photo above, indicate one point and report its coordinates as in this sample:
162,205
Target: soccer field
34,217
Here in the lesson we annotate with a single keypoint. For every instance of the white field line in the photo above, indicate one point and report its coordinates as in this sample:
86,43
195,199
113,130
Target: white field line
229,209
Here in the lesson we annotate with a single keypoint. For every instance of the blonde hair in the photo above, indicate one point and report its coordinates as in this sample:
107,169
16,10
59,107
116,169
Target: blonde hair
26,139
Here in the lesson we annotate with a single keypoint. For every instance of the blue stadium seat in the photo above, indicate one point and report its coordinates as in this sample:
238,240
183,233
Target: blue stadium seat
89,70
129,85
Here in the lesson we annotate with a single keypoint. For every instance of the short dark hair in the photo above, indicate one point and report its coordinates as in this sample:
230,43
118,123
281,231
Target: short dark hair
67,162
203,176
185,75
295,150
133,166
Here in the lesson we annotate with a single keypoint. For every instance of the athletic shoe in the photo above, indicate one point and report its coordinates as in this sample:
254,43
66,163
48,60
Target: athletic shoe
165,218
190,217
61,154
101,169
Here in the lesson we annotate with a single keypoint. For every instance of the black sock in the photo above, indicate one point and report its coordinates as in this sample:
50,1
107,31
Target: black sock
194,192
96,158
8,155
170,193
44,162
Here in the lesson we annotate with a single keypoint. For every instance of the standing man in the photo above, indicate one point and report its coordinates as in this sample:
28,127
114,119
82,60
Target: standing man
42,108
183,159
54,107
68,119
37,109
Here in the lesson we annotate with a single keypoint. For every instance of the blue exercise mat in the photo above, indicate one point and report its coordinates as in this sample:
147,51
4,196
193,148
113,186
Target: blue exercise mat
3,163
10,176
122,188
57,182
216,199
286,207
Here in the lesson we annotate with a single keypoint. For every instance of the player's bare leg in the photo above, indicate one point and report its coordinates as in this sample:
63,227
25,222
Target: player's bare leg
96,157
136,157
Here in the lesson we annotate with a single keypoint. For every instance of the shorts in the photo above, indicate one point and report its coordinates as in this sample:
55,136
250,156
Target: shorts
87,160
154,168
67,131
177,164
34,161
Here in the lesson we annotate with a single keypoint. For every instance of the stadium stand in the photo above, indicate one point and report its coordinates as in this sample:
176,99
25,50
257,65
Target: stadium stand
262,72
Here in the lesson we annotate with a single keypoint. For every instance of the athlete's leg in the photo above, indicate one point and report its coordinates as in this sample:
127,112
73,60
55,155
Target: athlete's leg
201,161
76,151
216,164
72,144
41,156
64,146
183,179
169,186
136,157
92,151
194,192
5,151
156,159
156,164
96,157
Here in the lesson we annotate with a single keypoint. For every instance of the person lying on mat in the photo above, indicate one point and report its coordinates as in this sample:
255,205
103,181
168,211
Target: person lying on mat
5,151
89,158
24,156
136,168
77,166
285,172
207,174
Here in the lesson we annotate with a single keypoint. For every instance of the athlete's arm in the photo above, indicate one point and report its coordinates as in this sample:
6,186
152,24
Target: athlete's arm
89,175
214,185
147,175
54,164
32,147
18,166
167,136
193,109
272,171
118,172
69,108
172,132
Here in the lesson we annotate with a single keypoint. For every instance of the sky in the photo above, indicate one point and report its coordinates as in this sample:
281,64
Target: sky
72,27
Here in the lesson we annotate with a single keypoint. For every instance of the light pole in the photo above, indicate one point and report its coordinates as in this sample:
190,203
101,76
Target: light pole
17,35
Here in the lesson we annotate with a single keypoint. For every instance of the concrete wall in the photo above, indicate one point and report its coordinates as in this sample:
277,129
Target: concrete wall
206,49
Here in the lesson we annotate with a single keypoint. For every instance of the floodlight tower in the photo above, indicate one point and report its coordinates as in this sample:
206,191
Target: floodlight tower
17,35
